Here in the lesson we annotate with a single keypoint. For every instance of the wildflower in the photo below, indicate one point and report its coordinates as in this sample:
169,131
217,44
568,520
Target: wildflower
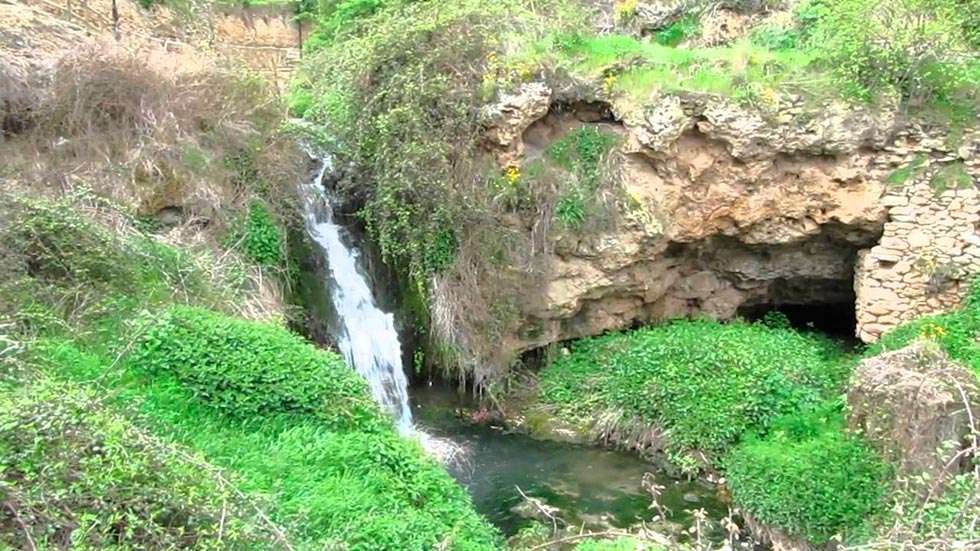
608,83
512,175
933,331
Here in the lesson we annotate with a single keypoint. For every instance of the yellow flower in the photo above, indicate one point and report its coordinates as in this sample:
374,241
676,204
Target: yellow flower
933,331
608,83
512,175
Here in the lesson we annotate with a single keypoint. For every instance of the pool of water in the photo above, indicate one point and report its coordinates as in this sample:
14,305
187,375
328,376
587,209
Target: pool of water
595,488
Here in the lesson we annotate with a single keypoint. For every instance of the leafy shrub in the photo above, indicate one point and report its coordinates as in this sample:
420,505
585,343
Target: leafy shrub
400,83
262,239
917,47
73,475
57,243
333,486
708,383
361,490
245,368
687,27
776,38
807,476
64,264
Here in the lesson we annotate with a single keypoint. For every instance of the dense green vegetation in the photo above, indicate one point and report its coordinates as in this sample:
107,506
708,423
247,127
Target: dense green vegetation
807,476
74,474
139,409
312,443
260,236
244,368
707,383
400,85
764,399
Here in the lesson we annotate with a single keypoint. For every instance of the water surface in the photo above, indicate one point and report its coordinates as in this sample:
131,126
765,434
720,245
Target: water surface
597,488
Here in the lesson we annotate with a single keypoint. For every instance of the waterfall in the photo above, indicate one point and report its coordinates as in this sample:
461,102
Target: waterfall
365,335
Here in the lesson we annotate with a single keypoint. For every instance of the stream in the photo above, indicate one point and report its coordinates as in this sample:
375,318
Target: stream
592,488
597,488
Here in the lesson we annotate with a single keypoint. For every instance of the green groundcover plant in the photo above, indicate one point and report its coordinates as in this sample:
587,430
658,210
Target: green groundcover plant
706,382
807,476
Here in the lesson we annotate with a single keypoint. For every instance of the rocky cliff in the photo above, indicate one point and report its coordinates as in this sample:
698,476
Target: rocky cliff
722,206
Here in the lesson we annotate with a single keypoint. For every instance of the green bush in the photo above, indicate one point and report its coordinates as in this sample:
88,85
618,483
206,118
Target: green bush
261,237
918,47
400,83
63,266
687,27
329,486
808,477
74,475
246,369
708,383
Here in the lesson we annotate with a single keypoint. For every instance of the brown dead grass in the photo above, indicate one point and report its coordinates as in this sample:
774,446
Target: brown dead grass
123,136
201,140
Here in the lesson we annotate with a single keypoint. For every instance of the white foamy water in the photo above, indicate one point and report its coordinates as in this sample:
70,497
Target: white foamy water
365,335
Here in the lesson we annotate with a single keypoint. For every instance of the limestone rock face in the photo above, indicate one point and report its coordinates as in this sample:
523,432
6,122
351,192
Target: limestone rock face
506,120
657,14
909,403
717,207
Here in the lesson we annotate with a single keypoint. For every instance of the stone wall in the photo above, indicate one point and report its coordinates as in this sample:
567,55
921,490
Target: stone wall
930,249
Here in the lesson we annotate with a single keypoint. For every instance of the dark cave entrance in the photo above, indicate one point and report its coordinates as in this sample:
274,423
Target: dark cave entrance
834,319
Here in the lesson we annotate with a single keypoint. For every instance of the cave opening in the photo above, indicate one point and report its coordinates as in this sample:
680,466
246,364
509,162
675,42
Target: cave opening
835,319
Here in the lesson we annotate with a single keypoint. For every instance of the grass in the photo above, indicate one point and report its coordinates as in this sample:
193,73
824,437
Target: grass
639,68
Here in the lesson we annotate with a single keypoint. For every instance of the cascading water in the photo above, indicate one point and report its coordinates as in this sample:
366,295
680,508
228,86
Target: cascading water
365,335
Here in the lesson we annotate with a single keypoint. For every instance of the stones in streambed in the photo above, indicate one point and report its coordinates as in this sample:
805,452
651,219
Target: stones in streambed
537,509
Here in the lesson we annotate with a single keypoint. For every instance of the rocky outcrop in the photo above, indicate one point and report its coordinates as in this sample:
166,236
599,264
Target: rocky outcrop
506,121
719,207
915,406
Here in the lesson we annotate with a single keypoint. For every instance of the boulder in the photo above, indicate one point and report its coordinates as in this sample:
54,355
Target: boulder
914,406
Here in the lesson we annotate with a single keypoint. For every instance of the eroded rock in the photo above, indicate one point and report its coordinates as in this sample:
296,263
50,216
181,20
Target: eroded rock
913,405
724,207
506,120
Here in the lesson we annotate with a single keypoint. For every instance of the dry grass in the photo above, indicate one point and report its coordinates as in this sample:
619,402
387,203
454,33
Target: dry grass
150,137
121,138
